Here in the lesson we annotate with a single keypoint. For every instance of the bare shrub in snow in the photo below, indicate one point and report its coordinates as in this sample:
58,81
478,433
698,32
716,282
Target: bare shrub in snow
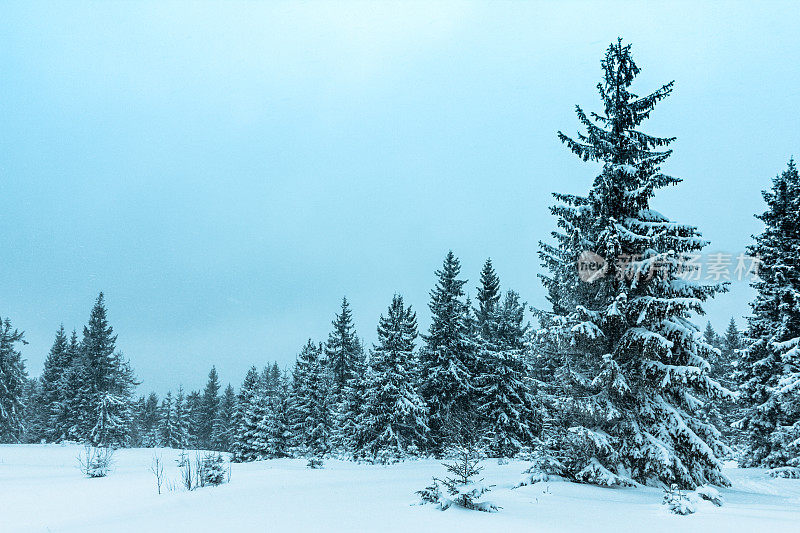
188,475
95,462
157,468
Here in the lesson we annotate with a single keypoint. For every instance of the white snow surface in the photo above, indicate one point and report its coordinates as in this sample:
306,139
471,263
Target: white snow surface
41,489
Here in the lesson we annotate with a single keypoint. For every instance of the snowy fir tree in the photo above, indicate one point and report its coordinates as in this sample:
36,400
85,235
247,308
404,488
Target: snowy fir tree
180,422
311,423
342,350
245,425
278,433
448,359
148,421
347,435
769,368
488,298
394,416
222,431
54,393
507,401
12,383
168,435
107,394
630,367
724,367
209,409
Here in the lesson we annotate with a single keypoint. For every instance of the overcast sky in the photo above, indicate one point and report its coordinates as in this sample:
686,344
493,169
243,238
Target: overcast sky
226,173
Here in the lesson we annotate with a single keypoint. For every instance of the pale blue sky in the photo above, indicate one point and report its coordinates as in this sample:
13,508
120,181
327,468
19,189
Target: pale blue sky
226,172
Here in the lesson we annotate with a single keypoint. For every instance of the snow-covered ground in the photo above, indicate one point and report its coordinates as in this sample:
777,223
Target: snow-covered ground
41,489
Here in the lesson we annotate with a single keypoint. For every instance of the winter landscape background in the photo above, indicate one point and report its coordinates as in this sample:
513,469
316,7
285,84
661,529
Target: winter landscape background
234,292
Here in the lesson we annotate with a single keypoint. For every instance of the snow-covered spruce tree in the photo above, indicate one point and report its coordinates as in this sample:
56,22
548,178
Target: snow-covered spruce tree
222,430
194,410
180,420
465,449
488,300
342,350
310,410
507,401
53,394
348,434
769,368
278,434
110,384
448,359
166,423
245,424
35,419
208,411
730,345
12,383
393,421
77,393
149,421
630,367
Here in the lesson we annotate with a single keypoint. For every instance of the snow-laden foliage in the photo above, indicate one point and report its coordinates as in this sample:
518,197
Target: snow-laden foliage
630,368
769,370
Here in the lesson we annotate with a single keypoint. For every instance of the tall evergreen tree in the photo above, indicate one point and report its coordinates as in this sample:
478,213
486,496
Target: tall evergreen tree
278,434
78,406
12,383
167,426
629,363
180,419
488,298
342,350
110,381
393,422
149,422
210,406
245,425
730,344
310,407
507,402
769,369
222,432
710,336
53,394
449,356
